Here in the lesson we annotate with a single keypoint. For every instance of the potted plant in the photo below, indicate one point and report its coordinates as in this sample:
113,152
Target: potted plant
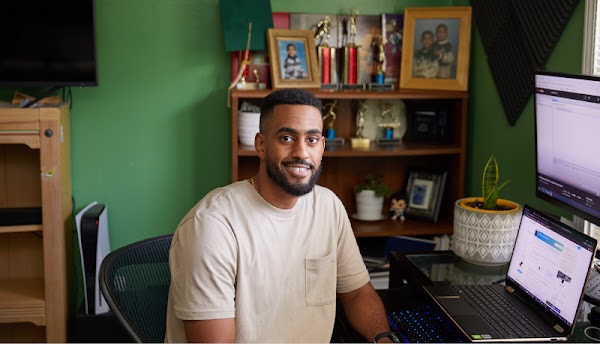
485,227
370,195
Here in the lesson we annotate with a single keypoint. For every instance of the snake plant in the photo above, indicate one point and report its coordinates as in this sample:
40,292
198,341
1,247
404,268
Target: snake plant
490,188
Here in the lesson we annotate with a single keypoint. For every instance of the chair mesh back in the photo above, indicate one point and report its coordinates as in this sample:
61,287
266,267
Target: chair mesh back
136,278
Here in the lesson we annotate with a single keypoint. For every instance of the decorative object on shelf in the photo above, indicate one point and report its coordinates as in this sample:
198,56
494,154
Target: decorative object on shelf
330,137
248,123
381,115
370,195
391,27
360,142
424,192
293,59
351,59
485,228
398,206
428,122
435,48
379,83
327,56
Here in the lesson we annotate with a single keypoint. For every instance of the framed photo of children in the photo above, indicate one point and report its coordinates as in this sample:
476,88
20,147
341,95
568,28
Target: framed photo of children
435,48
293,59
424,192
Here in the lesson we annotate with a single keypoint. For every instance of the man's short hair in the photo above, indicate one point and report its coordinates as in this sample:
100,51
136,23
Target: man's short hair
287,96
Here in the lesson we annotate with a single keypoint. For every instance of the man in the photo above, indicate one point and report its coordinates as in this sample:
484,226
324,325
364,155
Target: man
262,260
442,49
425,63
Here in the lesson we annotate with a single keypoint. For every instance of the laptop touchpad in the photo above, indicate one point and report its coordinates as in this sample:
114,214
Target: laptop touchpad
456,306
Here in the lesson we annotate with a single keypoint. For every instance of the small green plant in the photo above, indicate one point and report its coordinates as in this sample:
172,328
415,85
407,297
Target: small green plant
490,187
375,183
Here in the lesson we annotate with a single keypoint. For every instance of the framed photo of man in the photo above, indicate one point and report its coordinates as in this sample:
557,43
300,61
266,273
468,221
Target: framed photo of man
435,48
293,59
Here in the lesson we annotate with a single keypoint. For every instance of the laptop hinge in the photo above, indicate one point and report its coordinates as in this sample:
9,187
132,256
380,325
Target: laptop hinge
510,289
559,328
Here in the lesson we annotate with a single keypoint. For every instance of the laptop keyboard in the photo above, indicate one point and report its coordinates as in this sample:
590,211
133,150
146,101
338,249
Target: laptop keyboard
424,324
501,315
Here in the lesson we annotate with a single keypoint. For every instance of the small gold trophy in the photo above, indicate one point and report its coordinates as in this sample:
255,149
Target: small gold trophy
388,126
379,83
360,142
330,137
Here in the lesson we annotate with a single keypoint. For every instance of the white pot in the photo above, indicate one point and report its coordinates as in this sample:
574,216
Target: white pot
368,206
485,237
248,126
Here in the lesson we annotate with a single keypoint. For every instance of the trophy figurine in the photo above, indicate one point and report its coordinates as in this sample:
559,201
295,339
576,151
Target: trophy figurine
388,126
351,73
327,56
360,142
379,83
330,137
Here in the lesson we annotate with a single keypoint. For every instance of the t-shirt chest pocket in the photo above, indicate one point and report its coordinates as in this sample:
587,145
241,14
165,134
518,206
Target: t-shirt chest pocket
321,277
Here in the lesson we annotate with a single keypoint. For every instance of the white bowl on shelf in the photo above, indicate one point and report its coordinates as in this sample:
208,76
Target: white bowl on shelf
248,126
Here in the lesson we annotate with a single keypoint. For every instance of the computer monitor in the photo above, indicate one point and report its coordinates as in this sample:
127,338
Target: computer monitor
567,142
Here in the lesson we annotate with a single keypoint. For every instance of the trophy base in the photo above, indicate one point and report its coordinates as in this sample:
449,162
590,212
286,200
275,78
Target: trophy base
388,142
352,87
334,141
373,86
360,143
330,87
250,86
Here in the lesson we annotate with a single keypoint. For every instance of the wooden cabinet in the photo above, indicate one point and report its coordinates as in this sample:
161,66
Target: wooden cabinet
344,166
35,172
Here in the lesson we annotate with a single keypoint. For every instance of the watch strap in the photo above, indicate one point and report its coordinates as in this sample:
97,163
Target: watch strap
385,334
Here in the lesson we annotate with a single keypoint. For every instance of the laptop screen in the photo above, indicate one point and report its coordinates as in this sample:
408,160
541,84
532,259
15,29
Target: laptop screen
550,262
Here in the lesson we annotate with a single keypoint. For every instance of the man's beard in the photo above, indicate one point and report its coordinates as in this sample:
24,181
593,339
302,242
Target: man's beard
278,175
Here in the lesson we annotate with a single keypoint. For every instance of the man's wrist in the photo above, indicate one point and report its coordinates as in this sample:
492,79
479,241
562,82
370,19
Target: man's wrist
386,334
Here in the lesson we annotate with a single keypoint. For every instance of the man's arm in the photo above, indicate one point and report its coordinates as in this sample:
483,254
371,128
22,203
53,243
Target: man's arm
210,331
365,312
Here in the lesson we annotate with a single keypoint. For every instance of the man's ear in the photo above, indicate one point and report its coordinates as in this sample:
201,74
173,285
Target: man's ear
259,144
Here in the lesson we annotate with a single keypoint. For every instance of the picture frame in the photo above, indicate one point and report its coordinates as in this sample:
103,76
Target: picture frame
424,193
432,59
293,58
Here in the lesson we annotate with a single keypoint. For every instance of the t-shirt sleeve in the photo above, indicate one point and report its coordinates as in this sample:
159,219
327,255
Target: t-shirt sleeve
352,272
203,263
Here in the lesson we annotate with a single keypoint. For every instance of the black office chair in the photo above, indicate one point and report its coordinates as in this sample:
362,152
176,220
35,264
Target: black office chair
134,280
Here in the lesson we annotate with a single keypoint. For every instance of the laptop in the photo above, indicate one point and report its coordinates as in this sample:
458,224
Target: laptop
545,283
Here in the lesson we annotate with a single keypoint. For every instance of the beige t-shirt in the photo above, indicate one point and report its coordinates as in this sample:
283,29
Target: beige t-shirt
276,271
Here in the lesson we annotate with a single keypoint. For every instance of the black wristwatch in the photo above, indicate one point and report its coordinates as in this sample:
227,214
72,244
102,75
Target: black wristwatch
392,336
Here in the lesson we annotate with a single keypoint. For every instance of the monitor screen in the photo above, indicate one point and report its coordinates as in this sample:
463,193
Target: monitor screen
48,43
567,128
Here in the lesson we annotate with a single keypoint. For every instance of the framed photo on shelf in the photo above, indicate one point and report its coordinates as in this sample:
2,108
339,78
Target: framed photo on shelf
435,48
424,192
293,59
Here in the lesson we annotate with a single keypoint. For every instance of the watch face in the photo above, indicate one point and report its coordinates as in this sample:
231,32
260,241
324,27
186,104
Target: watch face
382,112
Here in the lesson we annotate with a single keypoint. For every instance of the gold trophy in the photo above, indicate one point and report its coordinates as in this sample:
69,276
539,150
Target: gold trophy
388,124
379,83
351,61
360,142
327,56
330,137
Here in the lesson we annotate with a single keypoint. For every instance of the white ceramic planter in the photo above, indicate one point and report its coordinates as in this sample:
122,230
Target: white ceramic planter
248,126
368,206
485,237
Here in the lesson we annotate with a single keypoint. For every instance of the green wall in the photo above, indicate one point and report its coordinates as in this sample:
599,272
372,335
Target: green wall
490,132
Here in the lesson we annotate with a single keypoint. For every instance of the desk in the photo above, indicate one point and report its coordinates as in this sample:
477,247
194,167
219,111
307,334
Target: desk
415,270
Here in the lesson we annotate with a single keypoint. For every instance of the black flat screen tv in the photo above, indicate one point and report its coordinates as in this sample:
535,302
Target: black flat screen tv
48,43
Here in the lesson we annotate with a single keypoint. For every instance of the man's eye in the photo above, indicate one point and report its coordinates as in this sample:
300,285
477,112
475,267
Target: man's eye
313,140
286,138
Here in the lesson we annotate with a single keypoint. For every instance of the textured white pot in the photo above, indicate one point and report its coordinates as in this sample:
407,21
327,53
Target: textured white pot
368,206
485,237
